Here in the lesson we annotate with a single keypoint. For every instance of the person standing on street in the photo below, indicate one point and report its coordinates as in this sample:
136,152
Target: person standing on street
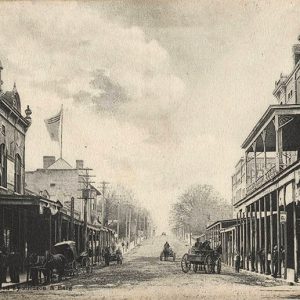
275,261
237,261
269,257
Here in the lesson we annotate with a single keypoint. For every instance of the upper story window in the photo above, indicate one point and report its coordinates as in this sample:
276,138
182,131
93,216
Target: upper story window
3,165
18,174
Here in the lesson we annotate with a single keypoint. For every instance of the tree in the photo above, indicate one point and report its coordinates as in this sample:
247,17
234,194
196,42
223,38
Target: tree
197,207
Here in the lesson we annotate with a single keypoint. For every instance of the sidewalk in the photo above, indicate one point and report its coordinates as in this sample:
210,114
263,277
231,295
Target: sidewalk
269,277
9,284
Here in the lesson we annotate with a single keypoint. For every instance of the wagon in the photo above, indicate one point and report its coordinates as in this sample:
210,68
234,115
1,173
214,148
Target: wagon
207,260
73,260
165,254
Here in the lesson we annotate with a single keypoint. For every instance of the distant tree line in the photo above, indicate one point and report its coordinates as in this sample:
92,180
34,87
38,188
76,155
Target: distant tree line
121,207
197,207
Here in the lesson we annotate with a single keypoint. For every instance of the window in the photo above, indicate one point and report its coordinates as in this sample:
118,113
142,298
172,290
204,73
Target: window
18,174
3,165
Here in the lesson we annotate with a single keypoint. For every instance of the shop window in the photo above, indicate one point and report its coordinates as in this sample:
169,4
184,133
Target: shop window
3,165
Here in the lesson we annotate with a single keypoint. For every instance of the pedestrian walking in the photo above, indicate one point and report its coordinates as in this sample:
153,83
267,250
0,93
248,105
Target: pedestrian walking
237,261
261,255
269,259
2,263
14,264
275,261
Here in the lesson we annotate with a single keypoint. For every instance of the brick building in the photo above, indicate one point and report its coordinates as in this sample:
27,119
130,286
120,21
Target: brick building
24,218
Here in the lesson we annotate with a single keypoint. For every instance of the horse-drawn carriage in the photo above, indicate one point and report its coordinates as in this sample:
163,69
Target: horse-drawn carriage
201,259
110,256
166,253
73,260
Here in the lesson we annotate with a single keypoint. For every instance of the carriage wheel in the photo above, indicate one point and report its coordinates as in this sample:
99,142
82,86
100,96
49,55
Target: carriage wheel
185,264
208,264
218,265
84,261
74,267
174,257
161,256
195,268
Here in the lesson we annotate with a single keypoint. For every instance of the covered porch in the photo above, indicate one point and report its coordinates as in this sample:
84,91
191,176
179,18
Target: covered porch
272,146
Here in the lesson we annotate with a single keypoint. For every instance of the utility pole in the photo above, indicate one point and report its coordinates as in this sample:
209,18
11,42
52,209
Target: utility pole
118,224
129,225
72,235
104,186
84,180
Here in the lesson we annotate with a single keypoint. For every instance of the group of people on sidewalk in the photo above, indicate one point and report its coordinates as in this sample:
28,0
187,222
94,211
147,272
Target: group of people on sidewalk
273,257
11,262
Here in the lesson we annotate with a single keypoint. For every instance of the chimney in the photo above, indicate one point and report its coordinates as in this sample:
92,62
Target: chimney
79,164
296,53
48,161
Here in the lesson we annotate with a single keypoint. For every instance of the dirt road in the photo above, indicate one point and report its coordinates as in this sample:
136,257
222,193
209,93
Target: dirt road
144,276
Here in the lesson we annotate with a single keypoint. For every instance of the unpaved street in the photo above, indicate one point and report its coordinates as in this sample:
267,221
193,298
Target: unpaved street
144,276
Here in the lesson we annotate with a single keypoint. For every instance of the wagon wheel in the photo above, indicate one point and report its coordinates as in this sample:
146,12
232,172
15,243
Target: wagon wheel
185,264
218,265
74,267
174,256
195,268
208,264
161,256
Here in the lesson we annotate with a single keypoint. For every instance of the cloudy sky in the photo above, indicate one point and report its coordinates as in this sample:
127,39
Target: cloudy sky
158,95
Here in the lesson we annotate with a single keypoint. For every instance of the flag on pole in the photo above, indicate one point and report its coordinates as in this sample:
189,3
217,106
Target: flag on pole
53,126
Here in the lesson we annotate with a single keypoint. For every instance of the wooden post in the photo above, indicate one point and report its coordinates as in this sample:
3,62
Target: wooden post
271,231
278,230
255,236
285,234
263,136
247,238
266,234
278,135
295,233
244,241
260,231
251,232
50,231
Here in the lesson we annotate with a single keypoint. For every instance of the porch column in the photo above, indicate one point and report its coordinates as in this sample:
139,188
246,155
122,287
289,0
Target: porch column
244,241
285,234
240,234
246,167
247,238
50,231
278,230
295,234
271,230
260,231
278,134
263,136
255,162
59,226
266,234
255,236
251,234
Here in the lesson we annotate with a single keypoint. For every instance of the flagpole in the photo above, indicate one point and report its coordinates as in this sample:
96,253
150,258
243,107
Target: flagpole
61,131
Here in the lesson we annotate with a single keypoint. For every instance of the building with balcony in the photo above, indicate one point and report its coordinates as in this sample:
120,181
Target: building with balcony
268,211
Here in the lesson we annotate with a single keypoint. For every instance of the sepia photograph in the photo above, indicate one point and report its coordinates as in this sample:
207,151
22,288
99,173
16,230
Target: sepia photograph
149,149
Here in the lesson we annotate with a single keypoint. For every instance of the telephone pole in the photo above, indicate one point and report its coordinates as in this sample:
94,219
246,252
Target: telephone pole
84,180
104,186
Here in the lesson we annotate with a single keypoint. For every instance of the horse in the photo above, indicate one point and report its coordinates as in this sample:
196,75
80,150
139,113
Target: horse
55,261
